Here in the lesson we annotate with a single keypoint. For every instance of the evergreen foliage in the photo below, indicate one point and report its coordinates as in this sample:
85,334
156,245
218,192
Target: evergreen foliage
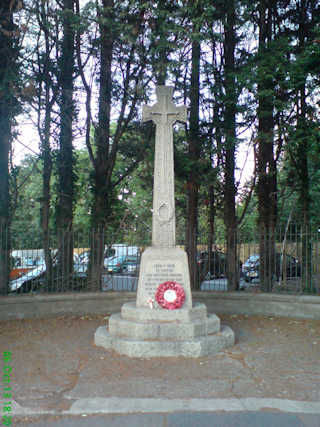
81,70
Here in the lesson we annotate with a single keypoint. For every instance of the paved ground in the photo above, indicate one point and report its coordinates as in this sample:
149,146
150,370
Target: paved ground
271,375
178,419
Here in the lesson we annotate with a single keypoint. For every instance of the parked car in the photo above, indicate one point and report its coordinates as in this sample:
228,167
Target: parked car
111,252
35,279
84,257
123,264
131,265
115,264
289,264
28,281
217,268
23,261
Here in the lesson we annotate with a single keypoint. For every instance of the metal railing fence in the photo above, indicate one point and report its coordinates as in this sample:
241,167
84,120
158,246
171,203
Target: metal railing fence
95,263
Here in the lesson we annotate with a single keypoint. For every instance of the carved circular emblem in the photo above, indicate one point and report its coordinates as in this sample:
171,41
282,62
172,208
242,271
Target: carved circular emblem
170,295
165,212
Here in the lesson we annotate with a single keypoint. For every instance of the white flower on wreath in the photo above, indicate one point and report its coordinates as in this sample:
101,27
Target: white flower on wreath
150,302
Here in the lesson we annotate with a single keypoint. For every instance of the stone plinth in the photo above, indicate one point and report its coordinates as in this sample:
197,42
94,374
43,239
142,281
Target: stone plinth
143,332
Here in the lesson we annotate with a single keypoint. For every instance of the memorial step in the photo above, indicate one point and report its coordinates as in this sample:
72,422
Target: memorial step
162,331
130,311
198,347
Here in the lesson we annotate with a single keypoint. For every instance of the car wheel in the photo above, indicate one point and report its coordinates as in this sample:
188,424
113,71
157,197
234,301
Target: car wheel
24,288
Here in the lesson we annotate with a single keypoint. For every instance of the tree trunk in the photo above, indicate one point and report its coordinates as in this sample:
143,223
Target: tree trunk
304,199
194,156
5,143
46,193
8,109
217,132
266,164
230,218
211,220
303,137
44,130
103,162
65,157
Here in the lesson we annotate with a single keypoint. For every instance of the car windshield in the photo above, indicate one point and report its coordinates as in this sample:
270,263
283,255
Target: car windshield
110,252
30,262
253,258
116,260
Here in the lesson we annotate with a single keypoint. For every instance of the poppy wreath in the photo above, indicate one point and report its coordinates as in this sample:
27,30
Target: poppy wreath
170,295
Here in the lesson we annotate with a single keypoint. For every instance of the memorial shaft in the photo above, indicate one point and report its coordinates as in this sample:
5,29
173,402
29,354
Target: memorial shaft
164,114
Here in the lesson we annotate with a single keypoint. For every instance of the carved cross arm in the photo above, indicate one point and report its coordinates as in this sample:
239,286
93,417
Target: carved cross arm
147,113
179,115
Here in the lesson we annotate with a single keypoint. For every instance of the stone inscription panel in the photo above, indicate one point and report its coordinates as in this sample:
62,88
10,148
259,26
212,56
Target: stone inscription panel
159,266
159,273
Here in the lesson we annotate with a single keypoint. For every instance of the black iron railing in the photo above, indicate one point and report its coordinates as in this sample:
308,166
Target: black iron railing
292,264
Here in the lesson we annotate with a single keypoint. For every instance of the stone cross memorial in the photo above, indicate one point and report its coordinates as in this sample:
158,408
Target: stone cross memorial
164,114
163,261
163,321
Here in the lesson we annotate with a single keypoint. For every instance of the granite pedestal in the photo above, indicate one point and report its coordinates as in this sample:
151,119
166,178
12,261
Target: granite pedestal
143,332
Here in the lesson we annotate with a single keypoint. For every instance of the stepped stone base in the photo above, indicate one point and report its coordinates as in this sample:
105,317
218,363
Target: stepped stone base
143,332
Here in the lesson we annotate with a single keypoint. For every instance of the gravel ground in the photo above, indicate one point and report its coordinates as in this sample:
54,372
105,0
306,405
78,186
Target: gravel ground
54,362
